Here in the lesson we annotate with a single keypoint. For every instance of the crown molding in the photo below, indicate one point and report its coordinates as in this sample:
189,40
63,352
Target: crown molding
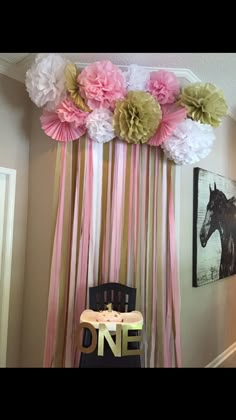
17,72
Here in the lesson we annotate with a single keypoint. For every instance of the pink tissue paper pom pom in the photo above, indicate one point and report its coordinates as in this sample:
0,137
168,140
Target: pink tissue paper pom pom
164,86
102,84
67,111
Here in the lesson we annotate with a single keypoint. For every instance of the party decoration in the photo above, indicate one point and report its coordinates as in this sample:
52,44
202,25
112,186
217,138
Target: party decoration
164,86
45,80
102,84
99,125
171,117
134,105
136,77
71,75
205,103
68,112
137,117
60,130
190,142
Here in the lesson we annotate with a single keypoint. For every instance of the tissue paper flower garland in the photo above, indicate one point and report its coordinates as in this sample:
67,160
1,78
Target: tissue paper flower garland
135,106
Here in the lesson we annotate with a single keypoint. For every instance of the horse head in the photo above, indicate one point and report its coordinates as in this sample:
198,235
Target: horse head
214,209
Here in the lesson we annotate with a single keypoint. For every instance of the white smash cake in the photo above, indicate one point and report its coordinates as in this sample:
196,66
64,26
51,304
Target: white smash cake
109,316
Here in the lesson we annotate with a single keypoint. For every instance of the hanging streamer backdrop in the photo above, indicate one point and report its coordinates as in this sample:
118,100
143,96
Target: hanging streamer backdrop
114,222
114,212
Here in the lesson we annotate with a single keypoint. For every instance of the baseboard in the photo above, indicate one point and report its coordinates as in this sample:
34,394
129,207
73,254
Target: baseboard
223,356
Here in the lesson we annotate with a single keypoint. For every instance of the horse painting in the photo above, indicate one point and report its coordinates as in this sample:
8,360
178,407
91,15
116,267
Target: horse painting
221,215
214,213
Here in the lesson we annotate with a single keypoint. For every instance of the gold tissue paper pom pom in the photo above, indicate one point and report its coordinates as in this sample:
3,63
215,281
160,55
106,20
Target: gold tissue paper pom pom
204,102
136,117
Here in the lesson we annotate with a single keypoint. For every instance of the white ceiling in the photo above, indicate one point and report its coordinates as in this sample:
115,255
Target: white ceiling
218,68
13,58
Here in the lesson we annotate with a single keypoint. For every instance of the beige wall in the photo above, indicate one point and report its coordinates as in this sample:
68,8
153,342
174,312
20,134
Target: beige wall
41,179
15,121
208,313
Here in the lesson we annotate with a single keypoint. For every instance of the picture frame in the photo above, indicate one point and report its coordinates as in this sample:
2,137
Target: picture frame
214,227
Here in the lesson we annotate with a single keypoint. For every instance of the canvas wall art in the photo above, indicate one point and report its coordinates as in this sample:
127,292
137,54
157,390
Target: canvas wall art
214,227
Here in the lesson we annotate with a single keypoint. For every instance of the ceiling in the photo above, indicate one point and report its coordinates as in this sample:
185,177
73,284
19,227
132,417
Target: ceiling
218,68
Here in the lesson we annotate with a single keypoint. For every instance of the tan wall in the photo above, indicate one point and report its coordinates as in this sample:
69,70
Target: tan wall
15,121
41,180
208,313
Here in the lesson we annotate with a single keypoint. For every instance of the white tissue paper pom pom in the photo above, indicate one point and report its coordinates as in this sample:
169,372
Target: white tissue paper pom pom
136,77
190,142
99,125
45,80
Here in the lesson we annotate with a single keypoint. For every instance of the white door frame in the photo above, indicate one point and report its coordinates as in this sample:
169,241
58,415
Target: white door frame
7,198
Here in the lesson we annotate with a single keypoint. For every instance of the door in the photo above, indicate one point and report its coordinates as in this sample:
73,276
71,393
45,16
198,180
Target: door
7,204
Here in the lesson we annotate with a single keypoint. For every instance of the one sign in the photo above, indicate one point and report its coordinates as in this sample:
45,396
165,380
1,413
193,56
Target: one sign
119,348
